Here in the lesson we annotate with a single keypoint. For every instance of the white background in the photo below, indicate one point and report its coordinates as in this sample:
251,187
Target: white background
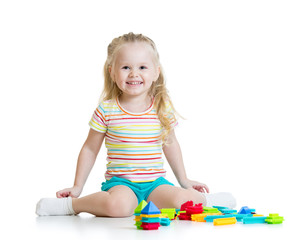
232,69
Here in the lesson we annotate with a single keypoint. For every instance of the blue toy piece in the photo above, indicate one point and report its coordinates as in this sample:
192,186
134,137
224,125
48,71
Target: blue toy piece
245,210
251,220
239,217
220,207
150,209
228,211
165,221
150,220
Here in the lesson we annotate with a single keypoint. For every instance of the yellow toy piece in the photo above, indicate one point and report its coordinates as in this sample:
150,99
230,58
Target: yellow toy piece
224,221
200,217
151,216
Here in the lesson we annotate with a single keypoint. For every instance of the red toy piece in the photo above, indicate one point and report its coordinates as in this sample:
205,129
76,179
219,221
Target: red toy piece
190,209
150,226
194,209
184,216
185,205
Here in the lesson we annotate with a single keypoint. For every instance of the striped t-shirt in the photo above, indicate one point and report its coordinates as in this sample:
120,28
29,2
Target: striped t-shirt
134,146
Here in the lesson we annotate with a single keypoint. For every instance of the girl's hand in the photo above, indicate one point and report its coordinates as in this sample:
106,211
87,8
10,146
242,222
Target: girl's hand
73,192
201,187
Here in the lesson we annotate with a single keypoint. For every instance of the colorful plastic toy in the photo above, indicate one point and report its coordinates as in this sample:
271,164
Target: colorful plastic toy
252,220
210,210
228,211
224,221
137,213
150,217
150,209
239,217
169,212
140,207
150,226
198,217
211,218
220,207
188,208
194,209
185,205
274,218
165,221
245,210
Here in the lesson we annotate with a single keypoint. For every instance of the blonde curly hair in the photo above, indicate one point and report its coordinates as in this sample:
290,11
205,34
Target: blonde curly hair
158,89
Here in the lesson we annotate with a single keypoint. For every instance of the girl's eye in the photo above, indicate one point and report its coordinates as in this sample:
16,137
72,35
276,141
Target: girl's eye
125,67
143,67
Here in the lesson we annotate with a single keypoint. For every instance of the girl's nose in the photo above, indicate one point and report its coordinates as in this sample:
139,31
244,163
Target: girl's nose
133,73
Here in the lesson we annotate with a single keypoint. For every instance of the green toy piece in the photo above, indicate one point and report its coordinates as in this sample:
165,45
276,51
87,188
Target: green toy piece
210,210
274,218
140,207
170,212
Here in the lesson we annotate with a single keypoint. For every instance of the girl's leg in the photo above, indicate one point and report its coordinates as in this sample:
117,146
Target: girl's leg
167,196
119,201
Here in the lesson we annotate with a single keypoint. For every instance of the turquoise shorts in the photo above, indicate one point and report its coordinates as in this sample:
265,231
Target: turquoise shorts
141,190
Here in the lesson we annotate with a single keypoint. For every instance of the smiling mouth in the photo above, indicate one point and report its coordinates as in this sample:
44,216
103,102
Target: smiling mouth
134,83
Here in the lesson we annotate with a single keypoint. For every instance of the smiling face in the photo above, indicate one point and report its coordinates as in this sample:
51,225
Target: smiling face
135,69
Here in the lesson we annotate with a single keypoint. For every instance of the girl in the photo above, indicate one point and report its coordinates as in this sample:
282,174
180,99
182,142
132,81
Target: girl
137,119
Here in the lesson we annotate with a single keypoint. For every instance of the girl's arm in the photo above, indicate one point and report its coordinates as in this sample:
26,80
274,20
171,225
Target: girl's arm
173,155
85,163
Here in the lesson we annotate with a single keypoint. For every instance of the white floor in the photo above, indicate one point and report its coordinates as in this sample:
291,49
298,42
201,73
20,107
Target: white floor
85,226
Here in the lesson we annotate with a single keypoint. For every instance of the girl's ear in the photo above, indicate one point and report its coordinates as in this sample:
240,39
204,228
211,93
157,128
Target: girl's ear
110,72
157,73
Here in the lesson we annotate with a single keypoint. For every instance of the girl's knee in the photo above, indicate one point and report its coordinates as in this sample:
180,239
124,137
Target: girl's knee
118,208
187,195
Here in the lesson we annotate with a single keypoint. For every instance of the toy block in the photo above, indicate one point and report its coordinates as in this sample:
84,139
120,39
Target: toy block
252,220
257,215
184,216
137,218
210,218
239,217
228,211
244,210
150,209
140,206
224,221
151,215
169,212
150,220
194,209
210,210
199,217
274,218
165,221
252,210
185,205
220,207
138,225
150,226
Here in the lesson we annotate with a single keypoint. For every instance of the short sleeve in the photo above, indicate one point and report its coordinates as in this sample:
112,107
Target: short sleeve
98,121
171,115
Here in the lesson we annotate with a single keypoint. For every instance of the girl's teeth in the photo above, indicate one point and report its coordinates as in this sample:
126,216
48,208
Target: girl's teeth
134,83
